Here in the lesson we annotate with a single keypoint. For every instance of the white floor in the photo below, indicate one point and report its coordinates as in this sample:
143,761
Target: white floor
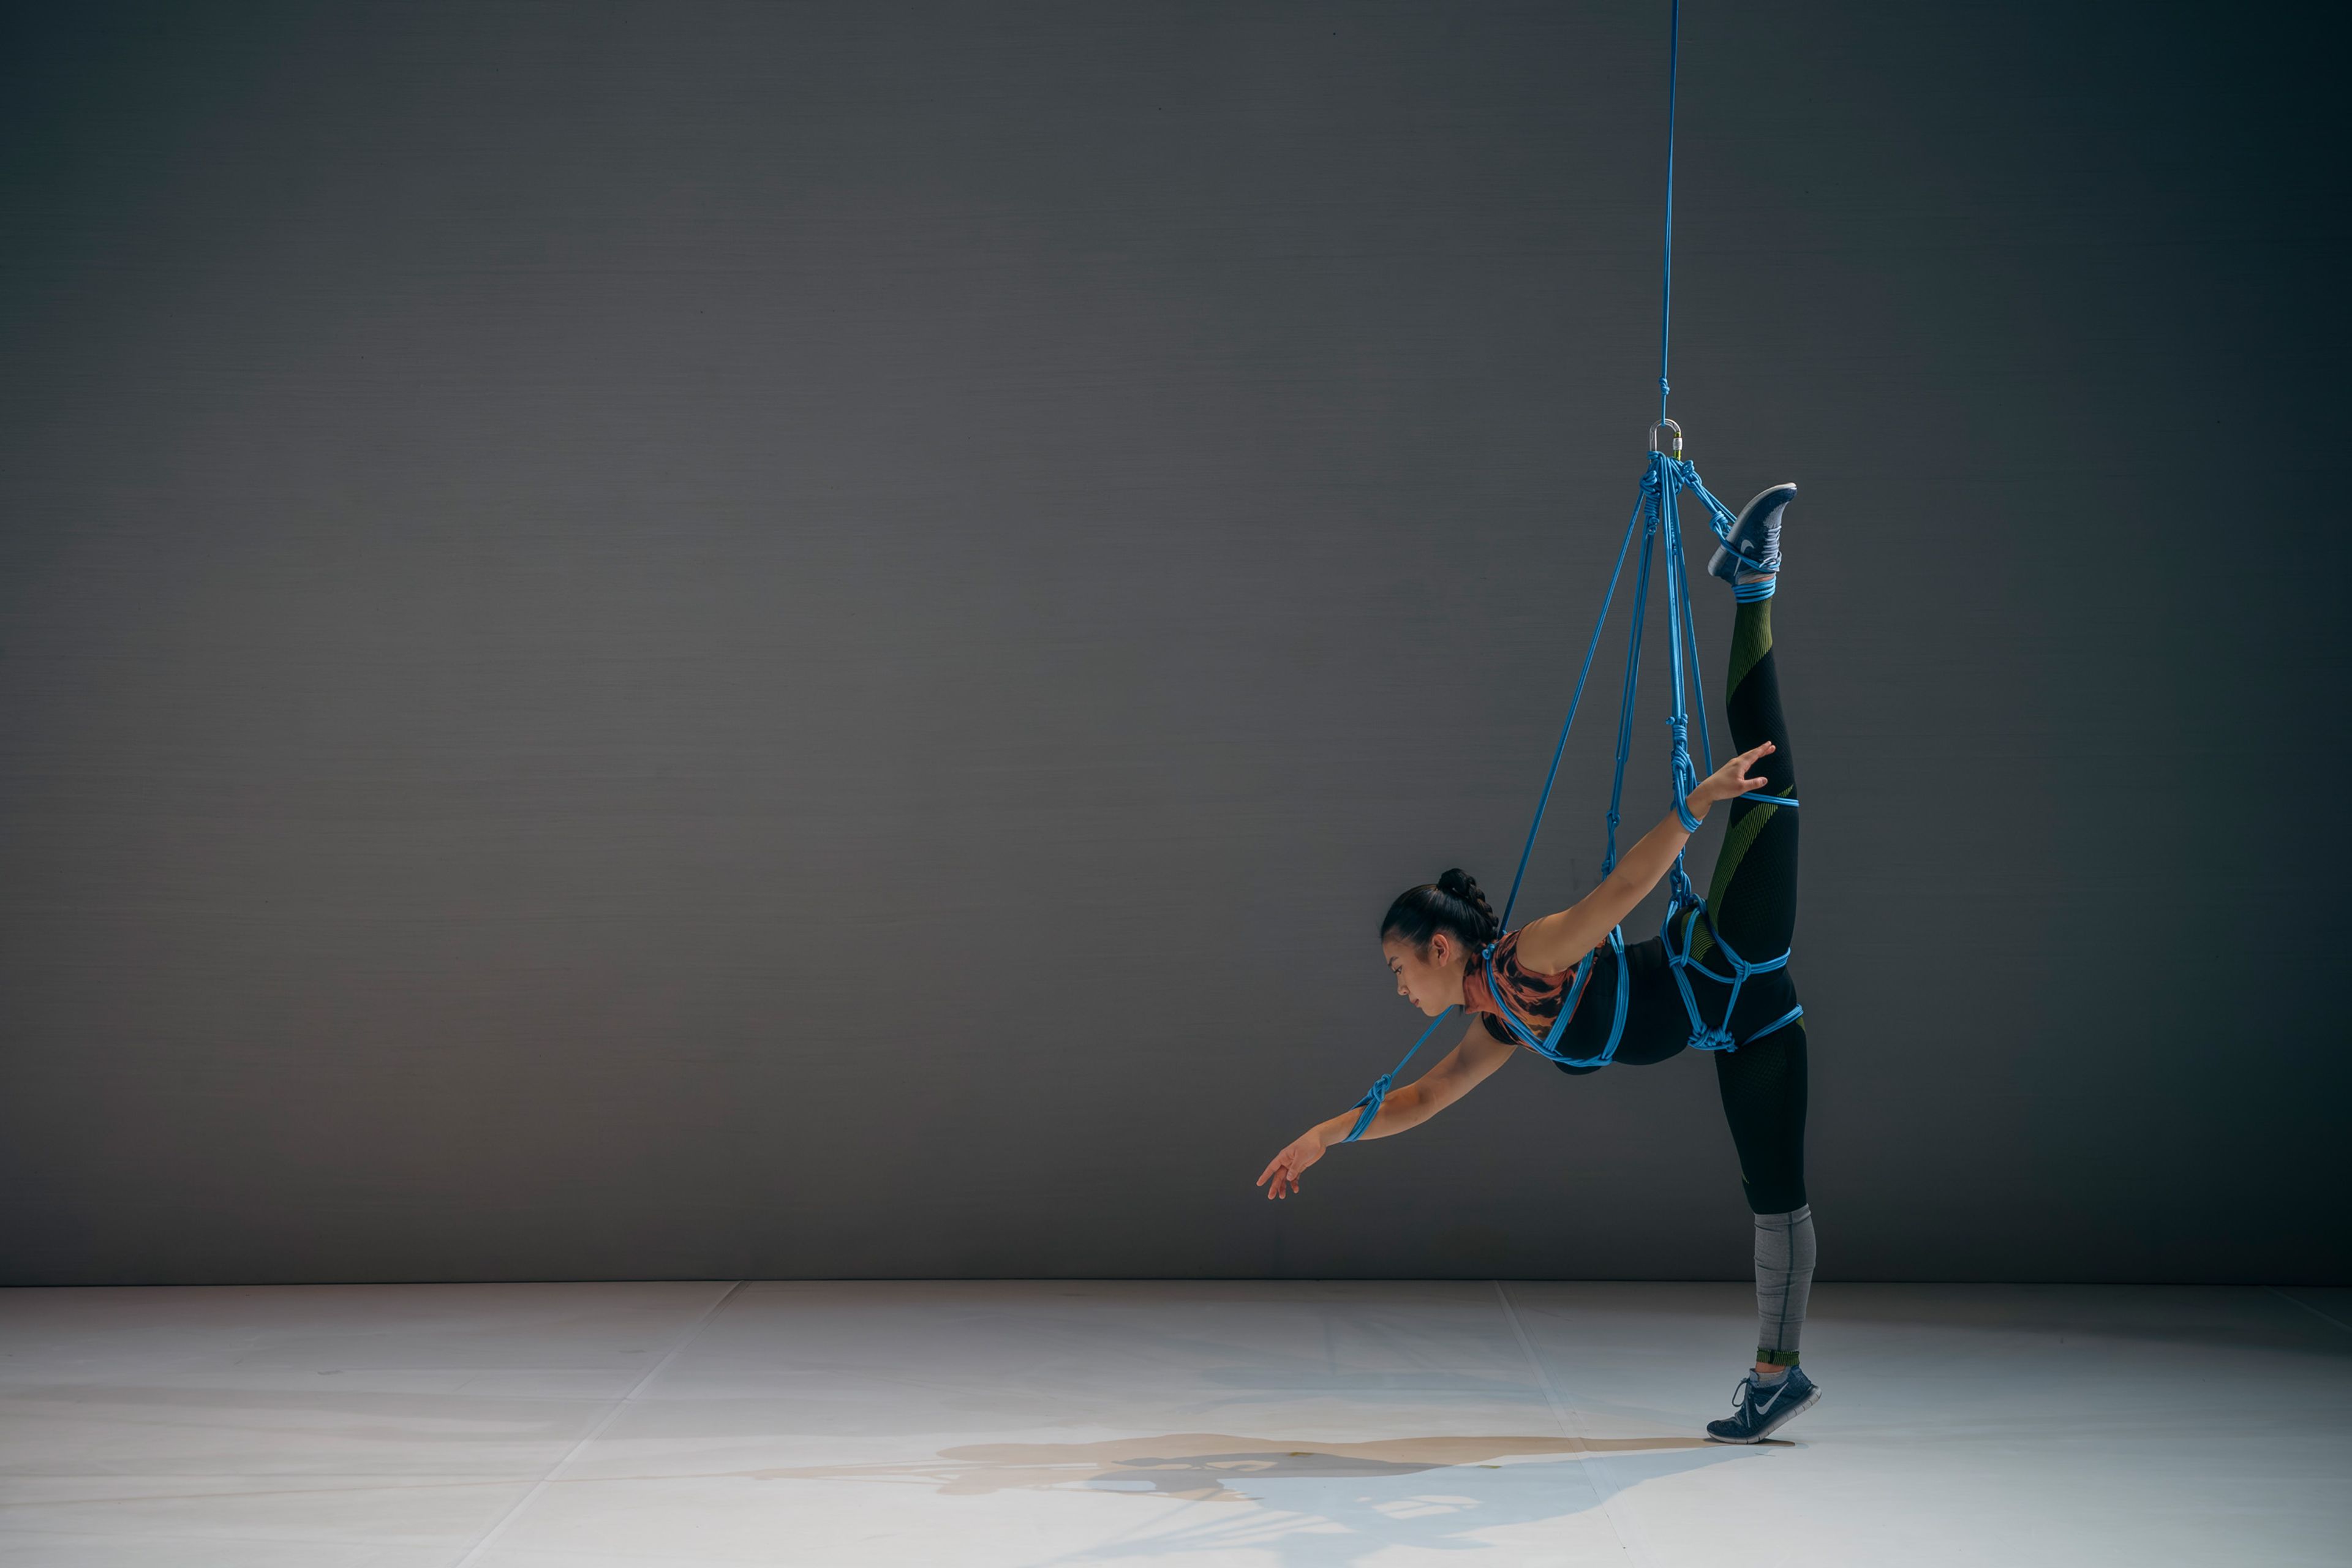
1276,1426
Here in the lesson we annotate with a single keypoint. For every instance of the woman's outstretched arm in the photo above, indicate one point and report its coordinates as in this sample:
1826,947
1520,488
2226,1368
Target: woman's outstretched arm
1556,942
1463,1069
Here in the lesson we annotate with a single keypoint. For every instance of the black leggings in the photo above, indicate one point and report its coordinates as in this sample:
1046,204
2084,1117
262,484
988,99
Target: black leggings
1753,903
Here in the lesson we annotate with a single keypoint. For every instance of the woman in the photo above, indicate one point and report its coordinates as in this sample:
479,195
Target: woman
1436,937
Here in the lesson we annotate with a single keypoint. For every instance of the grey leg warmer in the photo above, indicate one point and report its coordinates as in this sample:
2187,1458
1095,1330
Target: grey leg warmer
1784,1277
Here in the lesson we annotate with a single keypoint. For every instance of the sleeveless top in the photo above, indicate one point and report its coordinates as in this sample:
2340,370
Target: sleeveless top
1656,1025
1533,995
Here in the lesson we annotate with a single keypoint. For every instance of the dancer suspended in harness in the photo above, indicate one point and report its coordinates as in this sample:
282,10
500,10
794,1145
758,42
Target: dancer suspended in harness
1569,987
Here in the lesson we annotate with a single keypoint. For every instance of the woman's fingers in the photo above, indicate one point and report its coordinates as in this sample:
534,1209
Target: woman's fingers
1280,1178
1738,767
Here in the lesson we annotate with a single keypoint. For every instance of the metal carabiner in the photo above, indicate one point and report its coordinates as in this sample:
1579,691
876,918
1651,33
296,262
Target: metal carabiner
1675,451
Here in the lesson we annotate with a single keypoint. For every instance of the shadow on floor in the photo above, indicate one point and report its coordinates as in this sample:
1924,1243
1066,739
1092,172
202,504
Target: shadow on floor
1308,1504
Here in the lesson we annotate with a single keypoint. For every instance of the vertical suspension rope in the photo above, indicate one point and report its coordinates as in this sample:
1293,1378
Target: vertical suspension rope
1677,714
1678,628
1666,289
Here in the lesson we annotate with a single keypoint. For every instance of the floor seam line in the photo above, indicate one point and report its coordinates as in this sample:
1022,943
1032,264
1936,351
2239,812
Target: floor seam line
1628,1534
489,1537
2323,1317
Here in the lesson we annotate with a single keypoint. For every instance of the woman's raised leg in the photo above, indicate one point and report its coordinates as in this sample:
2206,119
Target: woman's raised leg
1753,896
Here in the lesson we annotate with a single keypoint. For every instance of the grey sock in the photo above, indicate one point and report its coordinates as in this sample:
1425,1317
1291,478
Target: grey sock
1784,1279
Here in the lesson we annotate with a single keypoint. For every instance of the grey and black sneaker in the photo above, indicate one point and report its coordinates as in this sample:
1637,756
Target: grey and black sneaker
1759,1408
1754,543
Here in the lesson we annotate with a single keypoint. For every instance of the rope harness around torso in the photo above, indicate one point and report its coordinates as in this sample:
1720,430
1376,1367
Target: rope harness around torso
1657,513
1657,520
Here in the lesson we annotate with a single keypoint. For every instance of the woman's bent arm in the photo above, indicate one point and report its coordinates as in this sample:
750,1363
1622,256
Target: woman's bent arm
1465,1068
1558,940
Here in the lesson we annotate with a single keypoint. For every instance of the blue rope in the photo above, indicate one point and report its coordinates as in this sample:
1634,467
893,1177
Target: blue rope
1720,516
1677,607
1698,687
1632,665
1548,1043
1666,289
1544,800
1657,512
1371,1103
1704,1036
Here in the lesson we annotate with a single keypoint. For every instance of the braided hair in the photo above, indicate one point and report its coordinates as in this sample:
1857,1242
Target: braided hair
1452,904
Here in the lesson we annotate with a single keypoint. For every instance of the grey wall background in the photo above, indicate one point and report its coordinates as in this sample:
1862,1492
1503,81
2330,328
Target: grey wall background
757,640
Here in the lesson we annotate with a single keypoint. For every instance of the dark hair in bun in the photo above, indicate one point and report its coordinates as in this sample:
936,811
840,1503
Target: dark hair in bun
1452,904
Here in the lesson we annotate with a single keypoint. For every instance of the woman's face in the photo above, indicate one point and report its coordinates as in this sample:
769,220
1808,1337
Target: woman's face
1431,981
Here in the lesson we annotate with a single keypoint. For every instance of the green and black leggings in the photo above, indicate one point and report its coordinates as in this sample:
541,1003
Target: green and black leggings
1752,902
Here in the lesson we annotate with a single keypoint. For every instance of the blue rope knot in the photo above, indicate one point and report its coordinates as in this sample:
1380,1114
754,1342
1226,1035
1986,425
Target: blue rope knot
1370,1107
1720,516
1713,1040
1371,1104
1686,776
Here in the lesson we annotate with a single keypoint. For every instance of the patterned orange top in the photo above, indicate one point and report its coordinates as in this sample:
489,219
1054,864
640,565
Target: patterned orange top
1533,995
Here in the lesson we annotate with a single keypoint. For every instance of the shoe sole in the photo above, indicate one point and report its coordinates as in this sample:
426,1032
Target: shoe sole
1807,1403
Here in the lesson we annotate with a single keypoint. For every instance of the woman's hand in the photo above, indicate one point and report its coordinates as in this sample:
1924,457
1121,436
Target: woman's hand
1727,781
1284,1172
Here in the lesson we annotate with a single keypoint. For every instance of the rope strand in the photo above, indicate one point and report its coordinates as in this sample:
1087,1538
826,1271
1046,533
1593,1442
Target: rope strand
1666,289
